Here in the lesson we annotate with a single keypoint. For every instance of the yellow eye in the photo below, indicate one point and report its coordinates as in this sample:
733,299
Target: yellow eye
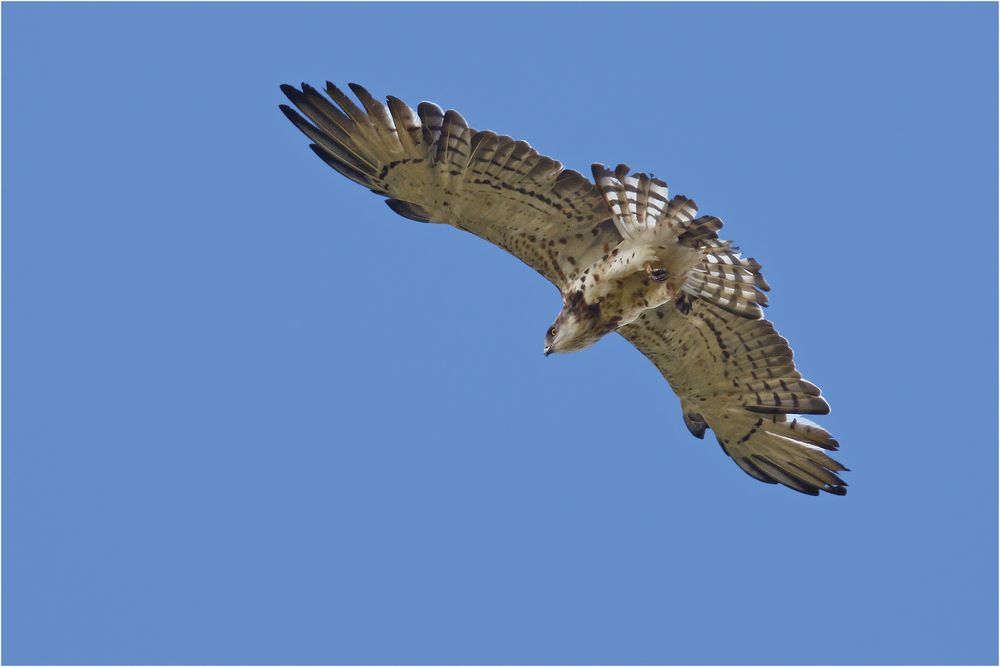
552,332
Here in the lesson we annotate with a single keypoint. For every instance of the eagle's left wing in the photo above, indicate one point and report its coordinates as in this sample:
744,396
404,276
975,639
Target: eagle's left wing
736,376
434,168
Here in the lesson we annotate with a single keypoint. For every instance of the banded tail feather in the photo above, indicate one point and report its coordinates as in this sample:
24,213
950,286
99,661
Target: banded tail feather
638,201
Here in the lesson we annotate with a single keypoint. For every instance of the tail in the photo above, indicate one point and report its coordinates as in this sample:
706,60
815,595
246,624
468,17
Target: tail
639,202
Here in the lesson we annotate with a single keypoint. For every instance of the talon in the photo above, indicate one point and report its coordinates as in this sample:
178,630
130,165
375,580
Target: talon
659,275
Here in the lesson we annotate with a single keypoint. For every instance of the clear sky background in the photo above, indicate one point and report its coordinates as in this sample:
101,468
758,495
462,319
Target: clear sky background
250,415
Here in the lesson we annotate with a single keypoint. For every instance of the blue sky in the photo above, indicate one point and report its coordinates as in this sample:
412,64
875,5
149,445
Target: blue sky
252,416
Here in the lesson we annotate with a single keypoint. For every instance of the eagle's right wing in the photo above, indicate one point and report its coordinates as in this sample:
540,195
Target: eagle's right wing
736,376
434,168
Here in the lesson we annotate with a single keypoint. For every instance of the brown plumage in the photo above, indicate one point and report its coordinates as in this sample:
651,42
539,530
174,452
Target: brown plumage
624,255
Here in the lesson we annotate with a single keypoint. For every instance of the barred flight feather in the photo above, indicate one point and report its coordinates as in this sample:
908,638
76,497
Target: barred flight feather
638,202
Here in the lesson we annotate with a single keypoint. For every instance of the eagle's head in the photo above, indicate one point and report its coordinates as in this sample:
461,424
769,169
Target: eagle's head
578,325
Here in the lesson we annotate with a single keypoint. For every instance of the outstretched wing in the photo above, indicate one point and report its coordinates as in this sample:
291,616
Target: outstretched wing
434,168
737,377
639,204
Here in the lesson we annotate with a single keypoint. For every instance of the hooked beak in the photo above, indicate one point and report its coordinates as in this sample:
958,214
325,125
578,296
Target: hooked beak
547,351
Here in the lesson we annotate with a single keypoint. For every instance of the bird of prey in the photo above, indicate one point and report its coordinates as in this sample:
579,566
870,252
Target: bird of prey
624,255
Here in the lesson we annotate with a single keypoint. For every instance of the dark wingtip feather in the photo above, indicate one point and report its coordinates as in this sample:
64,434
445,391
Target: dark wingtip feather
292,115
340,167
751,468
362,94
696,424
294,95
408,210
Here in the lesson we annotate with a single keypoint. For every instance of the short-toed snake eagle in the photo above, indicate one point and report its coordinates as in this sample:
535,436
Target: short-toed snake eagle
625,256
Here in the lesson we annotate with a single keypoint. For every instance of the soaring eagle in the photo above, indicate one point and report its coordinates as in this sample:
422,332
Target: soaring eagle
625,256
